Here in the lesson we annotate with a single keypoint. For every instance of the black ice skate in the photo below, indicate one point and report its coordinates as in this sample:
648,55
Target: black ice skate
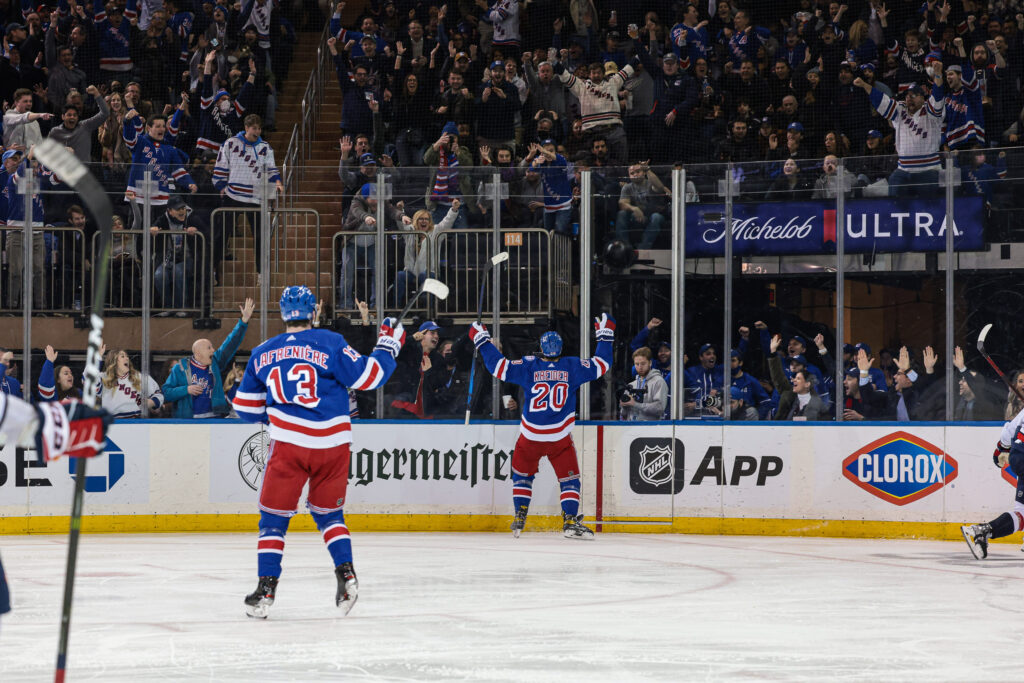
258,603
977,536
572,527
348,587
519,522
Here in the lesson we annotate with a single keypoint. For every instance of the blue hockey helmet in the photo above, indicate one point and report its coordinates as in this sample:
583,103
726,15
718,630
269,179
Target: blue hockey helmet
297,303
551,344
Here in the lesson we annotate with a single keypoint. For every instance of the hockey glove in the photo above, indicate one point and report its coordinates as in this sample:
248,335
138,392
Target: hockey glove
71,428
558,68
479,335
604,328
635,62
392,336
1001,456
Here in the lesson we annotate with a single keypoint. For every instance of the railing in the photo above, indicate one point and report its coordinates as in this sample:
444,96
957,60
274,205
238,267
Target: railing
354,272
176,271
304,133
293,245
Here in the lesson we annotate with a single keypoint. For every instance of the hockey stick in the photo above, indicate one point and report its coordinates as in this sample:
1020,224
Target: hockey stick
430,286
1002,376
498,258
69,169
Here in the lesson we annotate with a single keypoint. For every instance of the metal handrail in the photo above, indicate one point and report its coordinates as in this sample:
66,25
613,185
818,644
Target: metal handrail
387,285
147,269
304,132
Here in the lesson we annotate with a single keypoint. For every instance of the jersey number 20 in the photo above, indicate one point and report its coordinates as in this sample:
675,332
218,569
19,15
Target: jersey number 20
301,381
549,396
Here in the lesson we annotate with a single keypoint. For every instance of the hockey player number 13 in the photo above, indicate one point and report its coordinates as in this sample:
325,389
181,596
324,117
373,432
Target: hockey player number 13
548,396
301,383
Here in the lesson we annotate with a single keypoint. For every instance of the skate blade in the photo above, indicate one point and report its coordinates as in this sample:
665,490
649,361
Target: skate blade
975,548
349,601
580,536
516,532
260,610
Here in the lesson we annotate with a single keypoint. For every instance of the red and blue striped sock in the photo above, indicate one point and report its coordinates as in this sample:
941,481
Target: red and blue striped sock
336,537
270,548
570,495
522,490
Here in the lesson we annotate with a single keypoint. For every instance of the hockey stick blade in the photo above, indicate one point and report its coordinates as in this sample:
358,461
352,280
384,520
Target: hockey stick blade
431,286
435,287
498,258
1002,375
981,337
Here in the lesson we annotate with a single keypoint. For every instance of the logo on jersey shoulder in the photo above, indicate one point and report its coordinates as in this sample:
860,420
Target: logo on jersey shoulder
900,468
652,462
252,458
585,363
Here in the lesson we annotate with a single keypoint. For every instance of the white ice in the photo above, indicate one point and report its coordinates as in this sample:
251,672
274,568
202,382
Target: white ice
486,607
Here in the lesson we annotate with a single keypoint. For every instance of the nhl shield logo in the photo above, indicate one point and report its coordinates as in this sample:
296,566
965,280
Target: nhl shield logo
655,466
252,458
652,464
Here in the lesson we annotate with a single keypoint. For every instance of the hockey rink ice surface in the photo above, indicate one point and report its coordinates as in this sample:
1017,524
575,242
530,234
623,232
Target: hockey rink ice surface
486,607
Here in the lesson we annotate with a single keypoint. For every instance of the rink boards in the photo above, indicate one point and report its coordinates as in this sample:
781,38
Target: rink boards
879,480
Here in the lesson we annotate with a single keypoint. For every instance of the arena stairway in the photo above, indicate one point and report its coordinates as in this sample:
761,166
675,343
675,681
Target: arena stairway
297,253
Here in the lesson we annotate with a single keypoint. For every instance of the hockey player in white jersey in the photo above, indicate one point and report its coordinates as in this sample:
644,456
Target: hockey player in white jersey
53,429
1009,450
548,417
298,383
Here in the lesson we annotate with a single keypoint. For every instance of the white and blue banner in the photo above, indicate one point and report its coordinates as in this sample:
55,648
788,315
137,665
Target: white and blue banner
872,225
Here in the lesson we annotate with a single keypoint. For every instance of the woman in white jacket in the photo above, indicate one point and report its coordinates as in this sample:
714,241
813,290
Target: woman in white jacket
418,248
121,387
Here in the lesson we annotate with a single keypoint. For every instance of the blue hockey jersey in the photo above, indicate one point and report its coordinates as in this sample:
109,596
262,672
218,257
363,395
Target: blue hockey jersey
965,122
554,176
298,383
158,157
550,410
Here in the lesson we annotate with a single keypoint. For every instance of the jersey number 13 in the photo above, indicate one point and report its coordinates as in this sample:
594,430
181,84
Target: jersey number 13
298,386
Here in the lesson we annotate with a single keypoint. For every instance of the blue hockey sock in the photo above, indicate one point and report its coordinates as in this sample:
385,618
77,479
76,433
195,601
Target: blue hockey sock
570,495
270,548
522,490
332,528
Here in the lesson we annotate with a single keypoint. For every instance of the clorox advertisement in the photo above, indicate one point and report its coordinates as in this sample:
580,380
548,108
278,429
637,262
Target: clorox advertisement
900,468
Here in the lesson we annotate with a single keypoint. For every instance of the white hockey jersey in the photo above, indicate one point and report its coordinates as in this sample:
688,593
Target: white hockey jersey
504,15
918,135
124,401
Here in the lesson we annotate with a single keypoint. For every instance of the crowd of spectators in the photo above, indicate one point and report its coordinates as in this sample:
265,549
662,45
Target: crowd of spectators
793,383
181,88
537,91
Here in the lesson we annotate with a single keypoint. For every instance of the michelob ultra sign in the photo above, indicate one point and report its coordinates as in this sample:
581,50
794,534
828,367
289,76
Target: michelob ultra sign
900,468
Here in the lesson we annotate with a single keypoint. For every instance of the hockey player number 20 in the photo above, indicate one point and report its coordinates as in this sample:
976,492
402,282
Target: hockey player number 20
302,379
547,396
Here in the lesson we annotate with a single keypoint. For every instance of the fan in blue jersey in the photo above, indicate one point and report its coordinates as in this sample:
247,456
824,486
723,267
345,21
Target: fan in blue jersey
555,177
550,384
298,383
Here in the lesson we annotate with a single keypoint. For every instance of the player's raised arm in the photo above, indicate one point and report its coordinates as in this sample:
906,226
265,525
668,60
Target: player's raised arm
604,332
494,360
369,372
